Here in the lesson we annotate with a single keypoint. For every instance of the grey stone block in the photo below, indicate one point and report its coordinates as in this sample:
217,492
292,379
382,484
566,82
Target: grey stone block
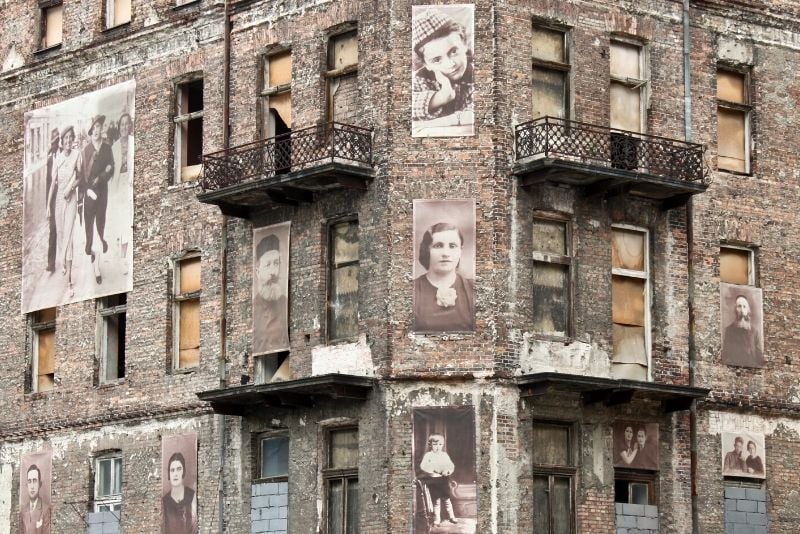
622,530
283,500
651,510
647,523
756,494
736,517
277,524
259,526
626,521
283,512
756,519
744,505
271,488
618,507
262,501
744,529
111,527
762,508
730,504
633,509
271,512
283,488
735,493
729,528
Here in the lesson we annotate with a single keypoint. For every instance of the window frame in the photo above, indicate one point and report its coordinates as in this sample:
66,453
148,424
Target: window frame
109,10
178,120
36,327
751,262
112,500
645,275
746,109
567,259
329,270
630,476
331,72
266,91
551,471
343,474
642,84
259,471
556,66
105,311
44,7
177,299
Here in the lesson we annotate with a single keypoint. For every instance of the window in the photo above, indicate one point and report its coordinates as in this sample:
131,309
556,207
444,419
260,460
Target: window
186,315
552,265
108,484
733,120
627,86
52,14
553,479
736,266
118,12
343,280
275,103
43,343
634,488
274,458
342,77
550,73
630,303
341,481
111,336
189,130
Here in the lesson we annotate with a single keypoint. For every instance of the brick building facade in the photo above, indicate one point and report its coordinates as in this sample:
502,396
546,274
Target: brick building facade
613,241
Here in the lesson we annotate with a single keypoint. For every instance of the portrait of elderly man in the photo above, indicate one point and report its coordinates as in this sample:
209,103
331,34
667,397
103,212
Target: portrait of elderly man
742,341
34,507
270,289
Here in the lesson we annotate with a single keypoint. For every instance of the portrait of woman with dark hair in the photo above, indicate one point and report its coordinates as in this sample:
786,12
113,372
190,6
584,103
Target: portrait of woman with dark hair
444,296
179,500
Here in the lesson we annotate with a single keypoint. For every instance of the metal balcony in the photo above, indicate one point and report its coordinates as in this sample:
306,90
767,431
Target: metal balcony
599,159
289,169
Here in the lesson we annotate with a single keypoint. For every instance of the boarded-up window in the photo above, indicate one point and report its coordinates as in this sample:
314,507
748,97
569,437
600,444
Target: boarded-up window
736,266
43,329
276,94
342,78
112,326
343,290
630,304
117,12
550,72
187,313
341,482
733,121
52,24
553,478
552,264
189,130
627,86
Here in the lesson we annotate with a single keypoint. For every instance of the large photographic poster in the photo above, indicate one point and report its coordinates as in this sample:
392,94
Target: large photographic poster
34,492
636,445
444,266
742,325
443,79
743,455
271,289
179,484
78,199
445,481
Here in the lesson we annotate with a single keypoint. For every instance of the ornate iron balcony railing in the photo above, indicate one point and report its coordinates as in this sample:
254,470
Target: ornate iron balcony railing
295,151
554,138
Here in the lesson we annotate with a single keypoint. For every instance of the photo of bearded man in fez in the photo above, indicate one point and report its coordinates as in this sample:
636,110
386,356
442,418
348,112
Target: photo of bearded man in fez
271,289
742,325
34,493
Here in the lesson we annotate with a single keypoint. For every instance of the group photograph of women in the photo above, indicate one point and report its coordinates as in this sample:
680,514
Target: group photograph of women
78,198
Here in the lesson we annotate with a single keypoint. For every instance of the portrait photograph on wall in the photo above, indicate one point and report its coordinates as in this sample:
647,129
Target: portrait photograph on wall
78,199
179,484
444,266
271,289
34,492
443,456
443,79
743,455
742,328
636,445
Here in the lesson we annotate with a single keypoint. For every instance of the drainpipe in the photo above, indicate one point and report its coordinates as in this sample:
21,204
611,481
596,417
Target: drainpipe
226,95
687,132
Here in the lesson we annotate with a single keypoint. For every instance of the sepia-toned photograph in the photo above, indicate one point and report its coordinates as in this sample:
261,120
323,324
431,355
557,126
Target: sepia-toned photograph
34,493
636,445
743,455
78,199
742,325
444,266
179,484
443,79
443,455
271,289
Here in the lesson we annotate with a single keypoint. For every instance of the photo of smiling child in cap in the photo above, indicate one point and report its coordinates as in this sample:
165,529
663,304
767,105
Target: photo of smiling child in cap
443,82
